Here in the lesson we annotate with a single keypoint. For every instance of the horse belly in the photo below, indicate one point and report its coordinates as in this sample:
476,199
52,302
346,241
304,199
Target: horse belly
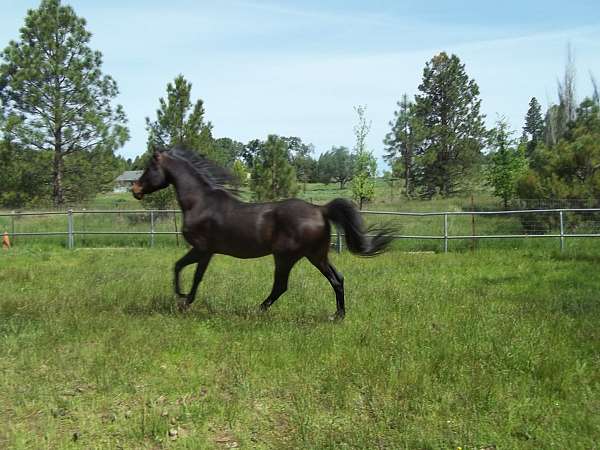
240,243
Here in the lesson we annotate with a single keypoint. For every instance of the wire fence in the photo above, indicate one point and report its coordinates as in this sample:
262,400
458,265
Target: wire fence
89,228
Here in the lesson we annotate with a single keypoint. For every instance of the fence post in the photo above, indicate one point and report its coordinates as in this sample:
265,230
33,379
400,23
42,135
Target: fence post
12,227
338,241
70,242
176,232
445,232
562,231
151,228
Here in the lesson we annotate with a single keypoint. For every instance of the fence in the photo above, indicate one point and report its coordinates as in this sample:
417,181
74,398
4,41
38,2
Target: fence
547,223
560,224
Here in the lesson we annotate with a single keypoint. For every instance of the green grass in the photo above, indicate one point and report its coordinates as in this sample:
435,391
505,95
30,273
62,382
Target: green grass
492,348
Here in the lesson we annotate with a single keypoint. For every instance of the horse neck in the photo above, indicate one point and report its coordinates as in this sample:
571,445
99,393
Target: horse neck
189,190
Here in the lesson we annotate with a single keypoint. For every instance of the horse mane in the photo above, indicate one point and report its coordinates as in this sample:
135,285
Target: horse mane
205,170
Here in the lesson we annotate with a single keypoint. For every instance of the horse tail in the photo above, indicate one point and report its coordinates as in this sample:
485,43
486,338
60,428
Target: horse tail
360,240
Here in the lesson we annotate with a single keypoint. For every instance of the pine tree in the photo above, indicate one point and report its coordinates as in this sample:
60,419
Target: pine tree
507,163
534,126
55,97
402,143
453,130
179,122
273,177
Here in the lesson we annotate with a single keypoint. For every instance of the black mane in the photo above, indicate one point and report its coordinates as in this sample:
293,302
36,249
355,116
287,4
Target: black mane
204,169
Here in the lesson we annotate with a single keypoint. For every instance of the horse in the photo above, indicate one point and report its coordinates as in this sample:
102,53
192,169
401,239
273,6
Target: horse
216,221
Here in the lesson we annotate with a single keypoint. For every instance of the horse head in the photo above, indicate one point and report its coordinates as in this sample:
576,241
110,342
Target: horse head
153,179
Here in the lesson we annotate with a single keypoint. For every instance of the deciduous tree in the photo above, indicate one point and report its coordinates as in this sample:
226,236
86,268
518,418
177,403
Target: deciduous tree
365,165
337,165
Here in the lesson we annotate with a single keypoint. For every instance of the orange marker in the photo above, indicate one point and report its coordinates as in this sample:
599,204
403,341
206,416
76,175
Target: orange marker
5,241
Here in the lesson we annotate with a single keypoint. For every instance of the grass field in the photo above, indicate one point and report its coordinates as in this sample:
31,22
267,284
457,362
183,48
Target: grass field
492,349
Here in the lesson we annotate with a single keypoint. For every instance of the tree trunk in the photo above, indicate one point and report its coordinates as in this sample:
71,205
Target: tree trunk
57,174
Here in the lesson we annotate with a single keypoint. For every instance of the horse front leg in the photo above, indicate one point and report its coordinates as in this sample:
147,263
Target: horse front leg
189,258
203,261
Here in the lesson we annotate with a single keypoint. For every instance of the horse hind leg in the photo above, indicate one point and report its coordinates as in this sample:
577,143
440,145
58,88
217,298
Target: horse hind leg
336,280
283,266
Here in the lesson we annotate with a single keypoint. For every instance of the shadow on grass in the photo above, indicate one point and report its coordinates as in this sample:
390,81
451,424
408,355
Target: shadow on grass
203,310
499,280
578,257
159,304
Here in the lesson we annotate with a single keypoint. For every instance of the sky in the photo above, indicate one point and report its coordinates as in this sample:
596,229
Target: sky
299,68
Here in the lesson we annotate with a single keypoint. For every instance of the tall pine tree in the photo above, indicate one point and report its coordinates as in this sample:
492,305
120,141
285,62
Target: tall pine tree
54,95
534,126
179,121
507,162
403,142
453,129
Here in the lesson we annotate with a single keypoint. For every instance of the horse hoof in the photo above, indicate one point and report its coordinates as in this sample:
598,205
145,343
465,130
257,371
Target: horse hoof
337,317
183,305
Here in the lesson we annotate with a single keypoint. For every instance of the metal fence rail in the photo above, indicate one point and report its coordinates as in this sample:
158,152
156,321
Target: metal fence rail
553,225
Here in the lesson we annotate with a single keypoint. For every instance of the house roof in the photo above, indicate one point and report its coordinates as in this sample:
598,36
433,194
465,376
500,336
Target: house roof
130,175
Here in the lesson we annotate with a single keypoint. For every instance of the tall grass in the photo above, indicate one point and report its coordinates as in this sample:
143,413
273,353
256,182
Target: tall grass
497,348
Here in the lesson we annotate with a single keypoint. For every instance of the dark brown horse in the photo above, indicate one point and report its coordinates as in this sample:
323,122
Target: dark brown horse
215,221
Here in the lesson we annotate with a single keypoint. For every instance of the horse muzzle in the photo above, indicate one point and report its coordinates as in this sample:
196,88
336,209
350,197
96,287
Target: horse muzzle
136,190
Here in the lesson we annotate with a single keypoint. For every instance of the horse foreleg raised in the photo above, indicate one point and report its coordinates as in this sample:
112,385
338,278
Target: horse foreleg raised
189,258
200,269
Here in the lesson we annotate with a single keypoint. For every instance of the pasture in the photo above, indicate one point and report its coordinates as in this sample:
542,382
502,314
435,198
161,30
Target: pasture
491,349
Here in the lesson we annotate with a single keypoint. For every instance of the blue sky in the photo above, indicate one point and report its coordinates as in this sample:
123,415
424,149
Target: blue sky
299,68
